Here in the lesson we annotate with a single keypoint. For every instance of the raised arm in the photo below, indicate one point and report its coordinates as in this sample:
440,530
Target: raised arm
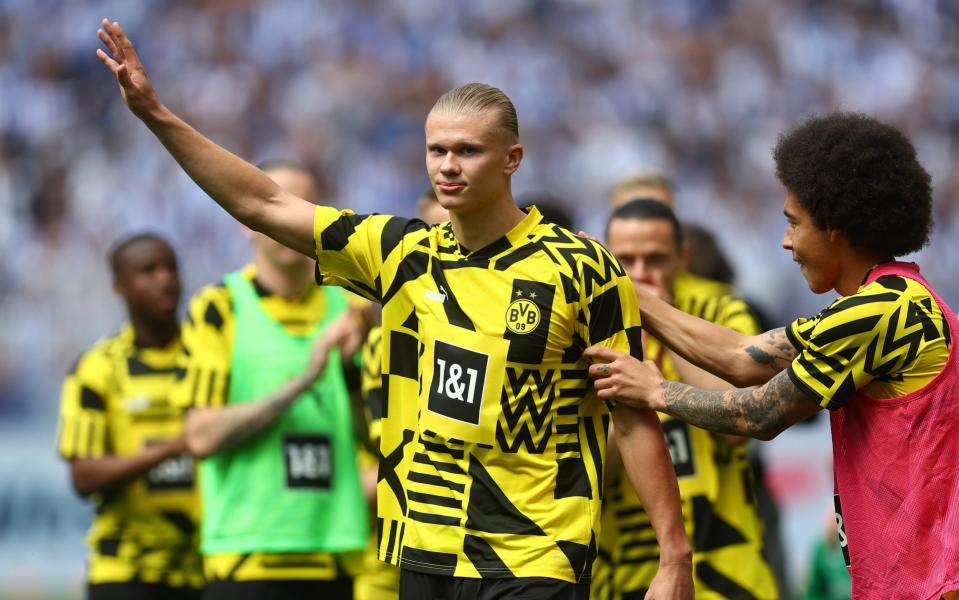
739,359
236,185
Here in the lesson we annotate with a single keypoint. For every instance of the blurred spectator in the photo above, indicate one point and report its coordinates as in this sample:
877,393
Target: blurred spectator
699,88
828,575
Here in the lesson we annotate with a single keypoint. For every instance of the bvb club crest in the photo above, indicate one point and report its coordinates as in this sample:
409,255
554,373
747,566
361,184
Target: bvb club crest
522,316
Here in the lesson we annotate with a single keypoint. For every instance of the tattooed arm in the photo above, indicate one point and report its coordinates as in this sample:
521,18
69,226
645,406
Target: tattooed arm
739,359
761,412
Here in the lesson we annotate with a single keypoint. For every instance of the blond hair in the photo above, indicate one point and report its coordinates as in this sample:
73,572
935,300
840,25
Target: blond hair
480,97
645,178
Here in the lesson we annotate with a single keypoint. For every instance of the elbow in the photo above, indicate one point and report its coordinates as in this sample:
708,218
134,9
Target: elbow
766,432
82,488
82,478
198,441
199,446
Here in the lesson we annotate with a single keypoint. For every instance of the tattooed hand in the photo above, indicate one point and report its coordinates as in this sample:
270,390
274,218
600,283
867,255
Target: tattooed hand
621,377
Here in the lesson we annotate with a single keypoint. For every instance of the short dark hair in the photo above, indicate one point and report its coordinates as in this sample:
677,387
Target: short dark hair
115,255
550,206
646,209
861,177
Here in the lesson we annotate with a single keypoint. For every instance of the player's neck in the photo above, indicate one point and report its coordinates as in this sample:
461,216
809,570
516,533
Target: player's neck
288,284
154,334
477,229
856,267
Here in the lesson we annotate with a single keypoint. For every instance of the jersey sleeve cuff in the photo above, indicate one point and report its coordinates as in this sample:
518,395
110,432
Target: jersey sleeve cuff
806,389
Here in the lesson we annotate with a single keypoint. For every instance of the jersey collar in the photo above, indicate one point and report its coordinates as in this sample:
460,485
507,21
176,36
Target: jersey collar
519,235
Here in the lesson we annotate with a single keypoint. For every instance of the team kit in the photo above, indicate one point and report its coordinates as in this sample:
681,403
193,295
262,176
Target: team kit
493,406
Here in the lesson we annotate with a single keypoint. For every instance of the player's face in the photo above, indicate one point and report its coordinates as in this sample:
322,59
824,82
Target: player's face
148,279
647,250
812,248
469,159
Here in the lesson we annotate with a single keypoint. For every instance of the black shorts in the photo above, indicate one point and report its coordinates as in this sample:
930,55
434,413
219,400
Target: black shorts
140,591
422,586
227,589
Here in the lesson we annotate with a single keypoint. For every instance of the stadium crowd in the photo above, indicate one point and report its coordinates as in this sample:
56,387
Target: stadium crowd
697,88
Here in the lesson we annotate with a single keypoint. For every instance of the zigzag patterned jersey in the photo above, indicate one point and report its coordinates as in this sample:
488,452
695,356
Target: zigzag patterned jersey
888,339
492,443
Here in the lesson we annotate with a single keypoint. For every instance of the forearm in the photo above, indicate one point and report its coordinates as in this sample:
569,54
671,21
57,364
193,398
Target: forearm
211,430
641,444
709,346
111,473
244,191
761,412
696,377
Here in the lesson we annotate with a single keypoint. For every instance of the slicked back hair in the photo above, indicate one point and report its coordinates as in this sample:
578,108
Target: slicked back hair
477,98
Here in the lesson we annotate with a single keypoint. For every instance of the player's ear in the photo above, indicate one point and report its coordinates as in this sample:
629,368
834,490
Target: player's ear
514,156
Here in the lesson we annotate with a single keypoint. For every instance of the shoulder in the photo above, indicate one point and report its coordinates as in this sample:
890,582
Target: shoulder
211,305
881,297
690,284
582,255
714,301
860,314
90,374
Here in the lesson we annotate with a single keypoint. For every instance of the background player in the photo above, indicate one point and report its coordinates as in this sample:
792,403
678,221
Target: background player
715,479
507,305
123,438
879,357
264,410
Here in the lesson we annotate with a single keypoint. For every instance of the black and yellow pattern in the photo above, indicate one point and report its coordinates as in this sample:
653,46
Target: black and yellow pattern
887,340
208,334
496,470
377,580
715,302
715,483
115,402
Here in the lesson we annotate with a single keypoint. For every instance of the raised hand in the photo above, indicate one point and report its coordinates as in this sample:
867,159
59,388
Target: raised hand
123,62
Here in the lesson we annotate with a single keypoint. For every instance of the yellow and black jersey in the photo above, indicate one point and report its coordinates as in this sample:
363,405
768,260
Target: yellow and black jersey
377,580
115,402
492,444
714,301
208,334
371,383
715,484
886,340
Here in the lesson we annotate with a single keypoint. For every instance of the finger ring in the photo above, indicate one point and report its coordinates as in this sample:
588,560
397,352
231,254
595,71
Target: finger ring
604,369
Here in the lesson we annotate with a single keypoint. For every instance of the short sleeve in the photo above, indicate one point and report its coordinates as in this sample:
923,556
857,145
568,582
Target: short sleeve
83,430
609,312
203,367
361,253
834,357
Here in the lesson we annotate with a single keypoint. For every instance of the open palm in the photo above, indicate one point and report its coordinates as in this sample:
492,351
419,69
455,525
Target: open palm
123,62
